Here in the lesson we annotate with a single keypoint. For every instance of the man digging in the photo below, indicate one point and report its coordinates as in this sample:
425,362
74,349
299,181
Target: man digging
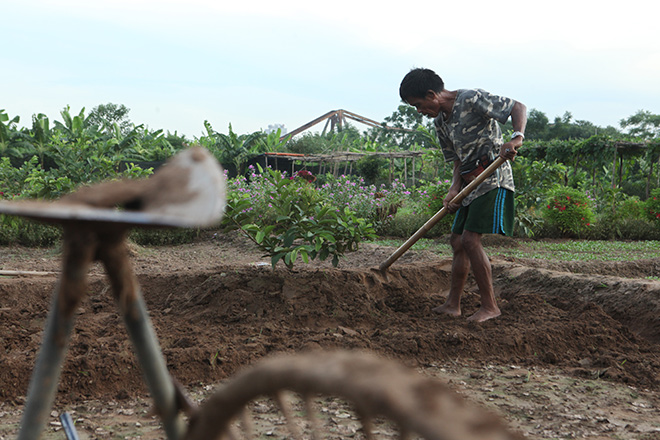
466,122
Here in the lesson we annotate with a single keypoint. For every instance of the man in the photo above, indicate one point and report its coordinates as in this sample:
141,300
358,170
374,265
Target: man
466,123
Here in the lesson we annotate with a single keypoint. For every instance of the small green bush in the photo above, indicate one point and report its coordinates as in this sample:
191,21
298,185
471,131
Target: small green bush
568,209
431,196
623,229
405,223
24,232
288,218
631,208
652,207
371,168
163,237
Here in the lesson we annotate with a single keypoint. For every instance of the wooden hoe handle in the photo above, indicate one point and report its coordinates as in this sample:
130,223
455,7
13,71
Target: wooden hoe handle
443,211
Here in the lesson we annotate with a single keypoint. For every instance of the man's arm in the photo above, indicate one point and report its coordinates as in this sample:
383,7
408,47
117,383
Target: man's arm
454,189
519,122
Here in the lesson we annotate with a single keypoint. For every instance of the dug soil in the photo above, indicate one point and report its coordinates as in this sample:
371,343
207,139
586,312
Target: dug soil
574,354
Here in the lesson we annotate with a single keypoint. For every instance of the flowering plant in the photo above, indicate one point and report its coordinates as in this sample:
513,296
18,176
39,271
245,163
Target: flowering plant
377,204
306,175
569,210
290,218
652,206
432,194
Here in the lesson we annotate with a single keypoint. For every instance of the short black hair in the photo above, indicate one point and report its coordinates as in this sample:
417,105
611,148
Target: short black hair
418,82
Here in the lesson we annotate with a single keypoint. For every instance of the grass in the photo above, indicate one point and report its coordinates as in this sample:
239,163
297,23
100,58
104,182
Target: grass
583,250
567,250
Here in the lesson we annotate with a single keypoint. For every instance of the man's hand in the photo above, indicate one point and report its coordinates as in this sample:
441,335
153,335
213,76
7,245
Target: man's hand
446,202
510,149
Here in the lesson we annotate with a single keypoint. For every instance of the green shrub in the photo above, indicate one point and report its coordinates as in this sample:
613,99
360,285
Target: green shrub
371,168
631,208
376,204
164,236
405,223
431,196
24,232
623,229
652,207
288,218
568,209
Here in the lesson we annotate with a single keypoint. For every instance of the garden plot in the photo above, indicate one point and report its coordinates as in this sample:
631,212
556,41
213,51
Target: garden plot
574,354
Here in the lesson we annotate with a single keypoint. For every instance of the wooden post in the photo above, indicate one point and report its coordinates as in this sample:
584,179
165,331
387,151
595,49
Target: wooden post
405,170
614,169
648,180
413,171
391,166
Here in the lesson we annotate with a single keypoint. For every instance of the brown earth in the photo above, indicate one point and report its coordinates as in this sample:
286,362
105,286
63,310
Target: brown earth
574,354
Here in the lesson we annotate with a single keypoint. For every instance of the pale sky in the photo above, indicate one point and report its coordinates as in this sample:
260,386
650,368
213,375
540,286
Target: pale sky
253,63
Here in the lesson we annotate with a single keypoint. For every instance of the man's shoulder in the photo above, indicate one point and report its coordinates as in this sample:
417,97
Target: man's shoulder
467,93
480,100
471,94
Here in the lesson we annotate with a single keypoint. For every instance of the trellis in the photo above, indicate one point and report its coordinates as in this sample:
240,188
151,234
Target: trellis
333,162
620,149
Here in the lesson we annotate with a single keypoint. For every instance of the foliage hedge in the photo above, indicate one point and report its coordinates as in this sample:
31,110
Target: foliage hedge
614,194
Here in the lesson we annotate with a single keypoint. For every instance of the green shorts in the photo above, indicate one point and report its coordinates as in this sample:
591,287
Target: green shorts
491,213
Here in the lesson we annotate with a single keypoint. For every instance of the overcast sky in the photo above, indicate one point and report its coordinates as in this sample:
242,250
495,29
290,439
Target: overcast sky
253,63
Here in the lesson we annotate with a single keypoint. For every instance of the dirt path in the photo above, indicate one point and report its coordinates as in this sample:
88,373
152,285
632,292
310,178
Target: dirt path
574,354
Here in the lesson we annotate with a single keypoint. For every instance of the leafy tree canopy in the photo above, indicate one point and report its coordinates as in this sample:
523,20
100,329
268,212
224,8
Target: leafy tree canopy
405,117
643,124
105,116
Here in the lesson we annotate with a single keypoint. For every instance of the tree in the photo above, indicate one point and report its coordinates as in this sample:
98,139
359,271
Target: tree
537,125
271,142
77,127
9,135
565,128
231,150
105,116
310,143
405,117
41,136
643,124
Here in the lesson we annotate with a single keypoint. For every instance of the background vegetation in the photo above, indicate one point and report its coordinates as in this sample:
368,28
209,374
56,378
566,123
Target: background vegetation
573,179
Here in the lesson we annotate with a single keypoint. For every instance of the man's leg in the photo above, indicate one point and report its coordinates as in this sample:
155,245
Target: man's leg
481,269
459,273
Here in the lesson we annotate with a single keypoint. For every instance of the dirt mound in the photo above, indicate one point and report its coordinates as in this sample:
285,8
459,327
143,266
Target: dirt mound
213,318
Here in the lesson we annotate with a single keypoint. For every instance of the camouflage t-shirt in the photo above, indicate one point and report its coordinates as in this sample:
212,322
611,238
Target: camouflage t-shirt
472,128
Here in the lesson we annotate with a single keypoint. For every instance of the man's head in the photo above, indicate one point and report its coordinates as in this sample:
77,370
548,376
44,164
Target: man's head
418,82
421,88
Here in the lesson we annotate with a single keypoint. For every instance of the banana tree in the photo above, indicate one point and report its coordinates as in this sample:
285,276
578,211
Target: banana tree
231,149
41,136
141,144
271,142
8,134
78,127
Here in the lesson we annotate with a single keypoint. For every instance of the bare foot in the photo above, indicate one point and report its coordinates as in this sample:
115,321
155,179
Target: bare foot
447,310
482,315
